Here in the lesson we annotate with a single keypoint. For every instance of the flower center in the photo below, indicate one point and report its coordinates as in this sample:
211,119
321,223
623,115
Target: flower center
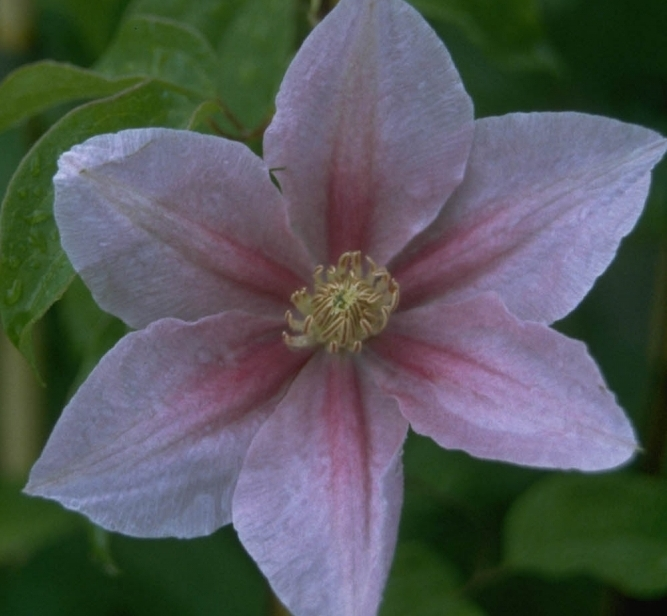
349,303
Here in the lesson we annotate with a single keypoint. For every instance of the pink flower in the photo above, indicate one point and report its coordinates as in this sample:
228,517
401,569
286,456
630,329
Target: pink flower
211,414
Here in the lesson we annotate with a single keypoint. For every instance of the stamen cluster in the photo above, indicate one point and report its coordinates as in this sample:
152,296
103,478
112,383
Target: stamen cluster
350,302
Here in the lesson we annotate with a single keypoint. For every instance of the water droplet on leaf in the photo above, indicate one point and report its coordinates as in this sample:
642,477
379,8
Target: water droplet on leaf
34,262
36,217
11,263
37,241
14,292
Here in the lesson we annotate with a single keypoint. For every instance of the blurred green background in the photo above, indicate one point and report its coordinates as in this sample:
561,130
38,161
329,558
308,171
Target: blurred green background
476,537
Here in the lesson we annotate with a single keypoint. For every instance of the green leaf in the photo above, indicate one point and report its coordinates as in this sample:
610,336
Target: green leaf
150,46
459,478
210,17
36,87
198,577
81,27
424,584
89,331
455,500
12,147
26,524
254,55
201,117
34,271
254,41
611,527
508,30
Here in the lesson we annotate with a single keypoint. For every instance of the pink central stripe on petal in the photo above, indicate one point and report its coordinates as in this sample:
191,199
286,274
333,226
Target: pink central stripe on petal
210,249
333,448
346,423
350,206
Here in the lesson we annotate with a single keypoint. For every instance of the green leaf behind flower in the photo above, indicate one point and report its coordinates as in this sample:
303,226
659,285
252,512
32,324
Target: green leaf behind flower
254,54
27,524
612,527
510,31
34,271
150,46
422,583
36,87
210,17
198,577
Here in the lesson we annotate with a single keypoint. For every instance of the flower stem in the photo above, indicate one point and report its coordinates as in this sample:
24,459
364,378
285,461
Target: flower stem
21,407
16,25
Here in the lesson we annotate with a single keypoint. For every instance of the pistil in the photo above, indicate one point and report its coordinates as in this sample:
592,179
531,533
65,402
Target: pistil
349,303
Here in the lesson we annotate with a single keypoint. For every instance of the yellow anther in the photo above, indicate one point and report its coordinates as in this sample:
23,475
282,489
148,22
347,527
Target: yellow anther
349,303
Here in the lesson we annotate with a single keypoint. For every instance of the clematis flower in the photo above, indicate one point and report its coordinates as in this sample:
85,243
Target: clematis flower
220,410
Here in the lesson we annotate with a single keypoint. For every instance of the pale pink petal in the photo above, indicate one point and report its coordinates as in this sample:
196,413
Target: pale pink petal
473,377
152,443
372,130
173,223
546,200
320,491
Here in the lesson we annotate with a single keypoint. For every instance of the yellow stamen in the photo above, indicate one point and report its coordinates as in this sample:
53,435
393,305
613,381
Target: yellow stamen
350,302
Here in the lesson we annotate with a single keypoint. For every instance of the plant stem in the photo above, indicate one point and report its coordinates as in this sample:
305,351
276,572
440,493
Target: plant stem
16,25
20,413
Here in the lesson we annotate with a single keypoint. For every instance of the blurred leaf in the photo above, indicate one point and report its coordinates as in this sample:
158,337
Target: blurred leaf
90,331
503,592
12,147
254,55
34,269
198,577
91,23
60,581
36,87
422,583
254,41
611,527
510,31
202,116
27,524
457,501
612,40
459,477
210,17
152,46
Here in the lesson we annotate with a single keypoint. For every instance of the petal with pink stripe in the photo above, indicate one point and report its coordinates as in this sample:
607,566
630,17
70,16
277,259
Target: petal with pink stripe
164,223
152,443
319,495
473,377
372,130
546,200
